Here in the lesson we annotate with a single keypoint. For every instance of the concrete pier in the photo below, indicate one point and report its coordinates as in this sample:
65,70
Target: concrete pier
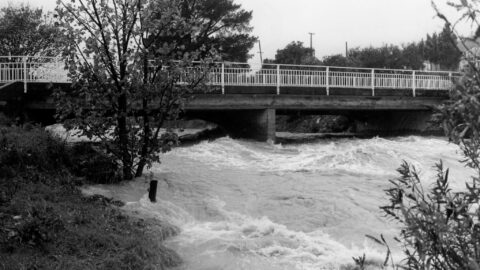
257,124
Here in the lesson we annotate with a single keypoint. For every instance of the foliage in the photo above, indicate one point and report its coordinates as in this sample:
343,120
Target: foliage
442,49
46,223
339,60
295,53
225,28
383,57
28,149
461,113
25,30
441,227
412,56
438,48
22,150
131,70
90,162
388,56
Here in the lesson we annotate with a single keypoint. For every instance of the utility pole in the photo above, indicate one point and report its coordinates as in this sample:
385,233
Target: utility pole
260,52
346,49
311,43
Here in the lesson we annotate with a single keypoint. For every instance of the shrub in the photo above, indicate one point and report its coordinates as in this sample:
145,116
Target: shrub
22,149
40,227
440,228
45,222
5,120
90,162
28,148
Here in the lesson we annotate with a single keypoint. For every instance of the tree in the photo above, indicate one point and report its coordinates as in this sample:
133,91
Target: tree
125,82
295,53
225,27
387,56
412,56
441,227
442,49
27,31
339,60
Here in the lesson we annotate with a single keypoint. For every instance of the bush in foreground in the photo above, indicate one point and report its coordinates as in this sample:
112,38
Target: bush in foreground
440,228
46,223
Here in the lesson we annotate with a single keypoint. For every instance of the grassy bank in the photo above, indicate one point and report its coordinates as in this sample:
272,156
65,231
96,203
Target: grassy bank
46,223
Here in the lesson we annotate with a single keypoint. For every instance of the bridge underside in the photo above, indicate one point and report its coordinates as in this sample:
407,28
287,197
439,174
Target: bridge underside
250,112
253,116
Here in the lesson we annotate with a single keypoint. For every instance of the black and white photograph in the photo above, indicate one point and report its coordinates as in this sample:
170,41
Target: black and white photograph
239,134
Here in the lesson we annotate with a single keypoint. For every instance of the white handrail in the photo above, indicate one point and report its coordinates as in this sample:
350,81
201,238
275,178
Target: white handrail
52,69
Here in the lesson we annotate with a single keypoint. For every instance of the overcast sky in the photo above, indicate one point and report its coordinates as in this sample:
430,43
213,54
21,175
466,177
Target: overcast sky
361,23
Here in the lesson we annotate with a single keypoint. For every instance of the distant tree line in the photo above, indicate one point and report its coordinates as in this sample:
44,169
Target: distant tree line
439,49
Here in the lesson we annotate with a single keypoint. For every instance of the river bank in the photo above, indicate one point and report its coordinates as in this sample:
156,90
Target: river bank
47,223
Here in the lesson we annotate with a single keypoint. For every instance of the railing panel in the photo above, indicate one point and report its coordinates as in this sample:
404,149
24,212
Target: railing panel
433,82
342,79
48,69
32,69
393,81
303,78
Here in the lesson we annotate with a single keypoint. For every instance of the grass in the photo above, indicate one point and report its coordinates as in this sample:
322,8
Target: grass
46,223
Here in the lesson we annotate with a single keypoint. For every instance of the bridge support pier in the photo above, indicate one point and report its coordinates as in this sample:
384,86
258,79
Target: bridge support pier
394,122
250,124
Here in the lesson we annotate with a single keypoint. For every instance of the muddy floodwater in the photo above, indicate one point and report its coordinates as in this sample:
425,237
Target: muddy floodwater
249,205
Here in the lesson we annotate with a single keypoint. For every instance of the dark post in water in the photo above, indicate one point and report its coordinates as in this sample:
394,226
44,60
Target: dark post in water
152,191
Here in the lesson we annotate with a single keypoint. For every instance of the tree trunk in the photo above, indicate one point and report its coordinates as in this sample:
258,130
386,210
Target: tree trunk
146,124
146,140
123,137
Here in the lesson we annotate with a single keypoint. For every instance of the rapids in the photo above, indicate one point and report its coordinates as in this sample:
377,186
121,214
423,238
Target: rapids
250,205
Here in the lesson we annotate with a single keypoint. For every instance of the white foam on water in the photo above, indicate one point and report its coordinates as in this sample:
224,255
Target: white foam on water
356,156
208,245
163,210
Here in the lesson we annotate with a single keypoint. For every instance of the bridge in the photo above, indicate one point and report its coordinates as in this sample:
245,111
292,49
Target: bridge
249,96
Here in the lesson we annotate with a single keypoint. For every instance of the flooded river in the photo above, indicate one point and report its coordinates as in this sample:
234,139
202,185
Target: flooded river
249,205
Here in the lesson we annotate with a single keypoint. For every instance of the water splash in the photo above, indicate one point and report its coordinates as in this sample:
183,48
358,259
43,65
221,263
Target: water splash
355,156
251,242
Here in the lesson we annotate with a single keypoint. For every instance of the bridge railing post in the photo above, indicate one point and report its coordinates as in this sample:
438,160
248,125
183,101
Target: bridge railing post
223,78
450,79
414,84
327,80
373,82
278,79
25,75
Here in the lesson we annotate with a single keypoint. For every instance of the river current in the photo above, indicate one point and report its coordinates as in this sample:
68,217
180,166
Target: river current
248,205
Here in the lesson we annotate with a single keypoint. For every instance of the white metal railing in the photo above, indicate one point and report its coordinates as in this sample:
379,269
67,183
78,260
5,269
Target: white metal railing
328,77
50,69
29,69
